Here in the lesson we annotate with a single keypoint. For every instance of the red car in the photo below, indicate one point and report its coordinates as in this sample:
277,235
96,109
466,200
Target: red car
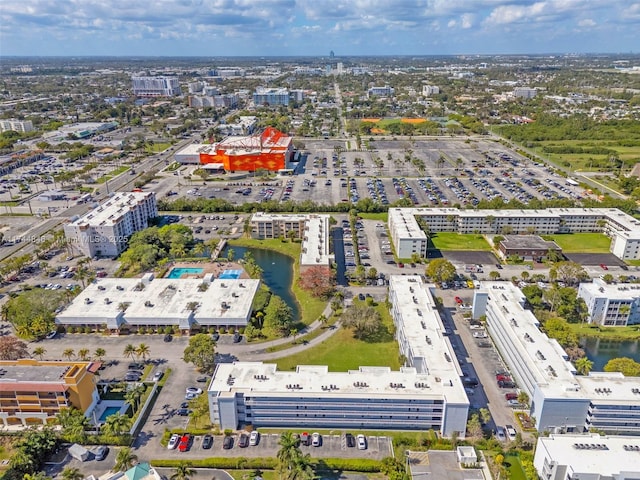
511,396
503,378
401,265
603,266
458,300
185,443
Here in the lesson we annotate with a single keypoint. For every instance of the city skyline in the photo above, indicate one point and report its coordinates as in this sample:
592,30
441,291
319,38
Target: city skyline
303,27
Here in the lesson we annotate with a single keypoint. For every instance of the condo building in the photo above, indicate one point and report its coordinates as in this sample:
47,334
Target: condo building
155,86
105,230
427,395
407,225
33,392
271,96
561,400
616,305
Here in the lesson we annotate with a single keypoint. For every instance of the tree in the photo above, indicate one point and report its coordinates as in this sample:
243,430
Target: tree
494,275
132,396
83,354
39,352
125,459
292,464
583,365
72,473
201,352
183,472
568,272
440,270
74,424
143,351
116,424
129,351
99,354
523,398
363,319
627,366
278,318
474,427
32,313
318,280
230,255
485,415
12,349
68,353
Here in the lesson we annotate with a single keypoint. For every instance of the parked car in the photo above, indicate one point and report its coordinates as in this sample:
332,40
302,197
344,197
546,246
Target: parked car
227,443
183,412
207,441
305,439
185,443
158,376
52,334
351,442
173,441
101,452
135,366
168,337
316,439
458,300
195,390
362,442
243,441
500,433
511,396
511,431
202,379
190,396
237,337
254,438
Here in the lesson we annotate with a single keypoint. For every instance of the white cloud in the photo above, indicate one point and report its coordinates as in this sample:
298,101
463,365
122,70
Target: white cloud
587,22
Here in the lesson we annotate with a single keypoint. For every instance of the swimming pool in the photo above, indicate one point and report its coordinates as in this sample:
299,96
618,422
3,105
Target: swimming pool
108,412
230,274
178,272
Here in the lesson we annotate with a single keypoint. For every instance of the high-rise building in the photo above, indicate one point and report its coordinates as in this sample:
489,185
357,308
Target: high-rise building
156,86
271,96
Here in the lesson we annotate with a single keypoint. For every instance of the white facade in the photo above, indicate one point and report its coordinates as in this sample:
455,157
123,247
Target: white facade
185,303
191,153
428,90
561,400
245,125
611,305
313,229
408,237
587,457
20,126
271,96
385,91
105,230
524,92
155,86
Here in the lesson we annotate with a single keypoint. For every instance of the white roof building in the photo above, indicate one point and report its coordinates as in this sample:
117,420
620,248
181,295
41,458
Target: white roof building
611,305
149,301
593,457
408,237
561,400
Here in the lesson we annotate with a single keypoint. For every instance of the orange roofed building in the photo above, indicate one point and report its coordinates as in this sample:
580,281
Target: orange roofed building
270,150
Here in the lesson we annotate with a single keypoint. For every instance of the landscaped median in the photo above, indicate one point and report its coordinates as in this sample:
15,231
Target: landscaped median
310,307
269,463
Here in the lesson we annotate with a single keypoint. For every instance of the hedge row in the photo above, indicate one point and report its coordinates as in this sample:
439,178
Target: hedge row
340,464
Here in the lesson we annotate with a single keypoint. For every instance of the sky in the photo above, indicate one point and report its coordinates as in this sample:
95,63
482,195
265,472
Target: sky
316,27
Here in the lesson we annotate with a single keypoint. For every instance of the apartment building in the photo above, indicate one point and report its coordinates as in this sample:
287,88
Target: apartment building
187,303
616,305
561,400
33,392
408,236
20,126
105,230
596,457
271,96
155,86
312,229
385,91
428,90
524,92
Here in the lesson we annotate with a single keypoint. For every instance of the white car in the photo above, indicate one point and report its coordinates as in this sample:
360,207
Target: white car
362,442
316,440
173,441
254,438
511,432
194,390
500,434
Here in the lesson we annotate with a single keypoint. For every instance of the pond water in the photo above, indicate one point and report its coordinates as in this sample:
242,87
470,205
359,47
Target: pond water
278,272
600,351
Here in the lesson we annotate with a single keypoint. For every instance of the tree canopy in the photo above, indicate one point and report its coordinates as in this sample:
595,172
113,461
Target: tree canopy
628,366
201,351
278,317
440,270
32,312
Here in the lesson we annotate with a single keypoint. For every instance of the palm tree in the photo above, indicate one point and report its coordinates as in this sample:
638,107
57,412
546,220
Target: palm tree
183,472
288,452
99,354
129,351
131,397
143,351
39,352
68,353
125,459
584,365
83,354
72,473
116,424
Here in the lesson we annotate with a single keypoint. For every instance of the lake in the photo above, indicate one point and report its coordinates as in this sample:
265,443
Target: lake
600,351
278,272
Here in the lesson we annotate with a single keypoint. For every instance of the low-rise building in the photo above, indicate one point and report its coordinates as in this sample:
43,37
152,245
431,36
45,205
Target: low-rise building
20,126
527,247
524,92
33,391
105,230
187,303
614,305
561,400
407,225
428,90
385,91
593,457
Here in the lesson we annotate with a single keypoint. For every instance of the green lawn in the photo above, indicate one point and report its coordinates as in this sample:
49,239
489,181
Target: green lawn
581,242
457,241
342,352
157,147
514,467
382,216
608,333
112,173
310,307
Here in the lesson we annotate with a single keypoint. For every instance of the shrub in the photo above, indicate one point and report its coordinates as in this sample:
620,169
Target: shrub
220,462
222,330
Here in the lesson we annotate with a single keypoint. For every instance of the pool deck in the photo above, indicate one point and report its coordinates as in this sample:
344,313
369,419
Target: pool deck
208,267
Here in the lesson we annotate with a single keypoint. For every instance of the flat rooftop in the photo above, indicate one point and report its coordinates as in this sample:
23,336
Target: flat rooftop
315,244
315,380
607,462
600,288
32,373
164,299
528,242
424,332
110,211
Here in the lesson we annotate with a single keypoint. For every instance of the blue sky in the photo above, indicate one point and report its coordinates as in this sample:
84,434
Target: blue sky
314,27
